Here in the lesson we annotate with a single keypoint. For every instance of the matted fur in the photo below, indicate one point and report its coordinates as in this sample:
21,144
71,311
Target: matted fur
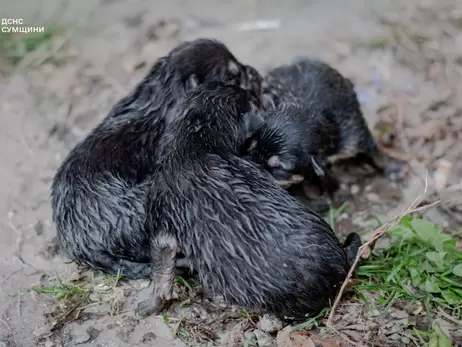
246,237
313,116
99,192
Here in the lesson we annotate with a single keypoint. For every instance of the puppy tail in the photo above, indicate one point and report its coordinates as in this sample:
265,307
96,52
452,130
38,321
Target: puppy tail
351,247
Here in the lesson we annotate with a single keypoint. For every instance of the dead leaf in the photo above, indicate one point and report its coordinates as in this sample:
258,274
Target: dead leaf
433,129
47,330
327,342
283,335
396,155
351,282
76,276
236,334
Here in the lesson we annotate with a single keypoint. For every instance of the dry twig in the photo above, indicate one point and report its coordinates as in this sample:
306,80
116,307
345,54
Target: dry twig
378,233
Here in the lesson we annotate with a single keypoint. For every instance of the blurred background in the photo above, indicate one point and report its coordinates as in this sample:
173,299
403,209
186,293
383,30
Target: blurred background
405,58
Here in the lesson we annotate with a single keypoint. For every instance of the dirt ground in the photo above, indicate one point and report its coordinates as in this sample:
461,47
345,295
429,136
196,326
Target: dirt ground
406,79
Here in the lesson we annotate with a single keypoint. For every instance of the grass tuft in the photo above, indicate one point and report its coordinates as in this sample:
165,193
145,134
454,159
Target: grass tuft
421,264
73,296
312,322
34,48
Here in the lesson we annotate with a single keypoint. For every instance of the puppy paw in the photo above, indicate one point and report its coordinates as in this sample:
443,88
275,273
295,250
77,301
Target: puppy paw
149,307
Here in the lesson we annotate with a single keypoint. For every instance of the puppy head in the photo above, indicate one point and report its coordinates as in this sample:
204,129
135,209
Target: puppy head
220,112
281,168
269,148
206,60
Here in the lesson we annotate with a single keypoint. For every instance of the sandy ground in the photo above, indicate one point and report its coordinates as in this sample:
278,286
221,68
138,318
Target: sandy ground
44,111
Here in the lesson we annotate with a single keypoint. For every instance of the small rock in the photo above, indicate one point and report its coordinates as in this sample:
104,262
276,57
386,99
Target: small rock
354,189
49,343
372,197
270,324
405,340
264,340
398,314
79,335
3,344
199,313
250,336
140,284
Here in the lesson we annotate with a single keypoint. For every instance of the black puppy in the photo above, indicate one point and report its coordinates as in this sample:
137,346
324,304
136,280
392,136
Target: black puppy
294,143
99,191
246,237
314,118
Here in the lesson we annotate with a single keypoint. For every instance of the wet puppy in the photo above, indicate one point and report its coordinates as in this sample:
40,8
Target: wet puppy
294,144
99,191
246,237
314,119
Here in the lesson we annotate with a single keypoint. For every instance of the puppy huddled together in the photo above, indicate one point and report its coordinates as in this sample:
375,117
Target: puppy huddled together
188,172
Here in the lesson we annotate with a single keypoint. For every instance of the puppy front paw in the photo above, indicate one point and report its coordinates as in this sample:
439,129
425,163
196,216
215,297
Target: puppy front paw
149,307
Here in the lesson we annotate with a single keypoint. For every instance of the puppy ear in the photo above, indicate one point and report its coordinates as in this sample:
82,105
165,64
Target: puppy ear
192,82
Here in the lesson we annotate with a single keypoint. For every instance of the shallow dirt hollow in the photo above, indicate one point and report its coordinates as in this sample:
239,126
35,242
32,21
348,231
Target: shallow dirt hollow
45,111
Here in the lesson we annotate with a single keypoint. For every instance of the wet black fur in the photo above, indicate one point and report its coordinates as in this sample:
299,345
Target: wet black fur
297,136
99,193
313,113
247,238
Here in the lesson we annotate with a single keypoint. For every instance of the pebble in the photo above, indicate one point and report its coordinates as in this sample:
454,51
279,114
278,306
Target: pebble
270,324
372,197
80,335
264,340
250,336
398,314
354,189
141,284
